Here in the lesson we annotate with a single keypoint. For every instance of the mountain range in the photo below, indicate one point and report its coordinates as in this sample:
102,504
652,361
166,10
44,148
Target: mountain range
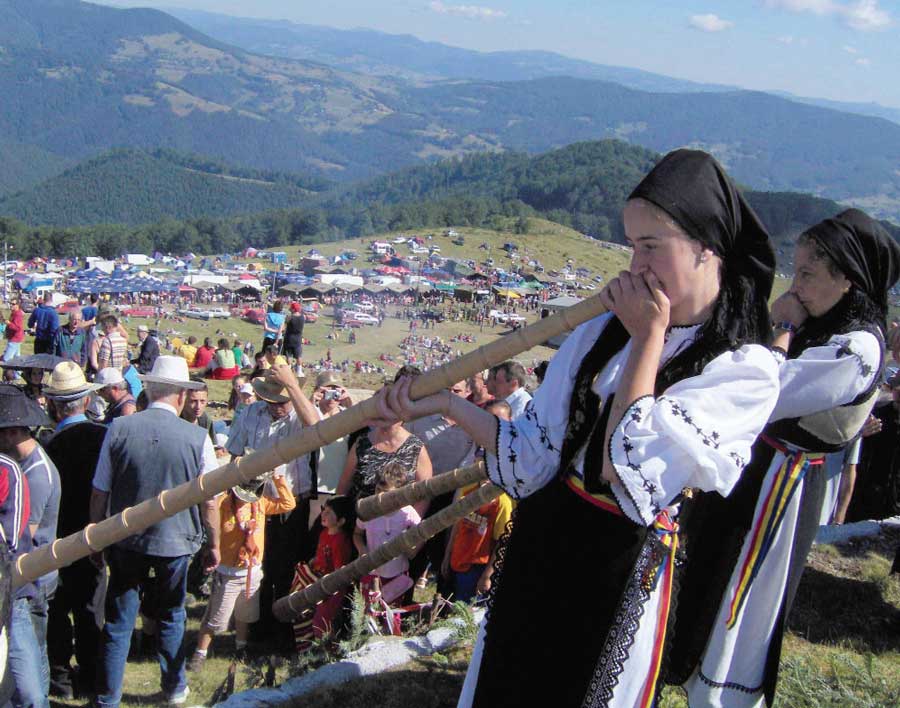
81,79
380,53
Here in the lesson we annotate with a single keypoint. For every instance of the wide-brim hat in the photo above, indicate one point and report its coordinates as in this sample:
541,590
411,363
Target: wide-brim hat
67,383
327,378
269,390
251,491
172,370
19,411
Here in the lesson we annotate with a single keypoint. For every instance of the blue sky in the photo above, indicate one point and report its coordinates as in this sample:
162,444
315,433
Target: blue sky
846,50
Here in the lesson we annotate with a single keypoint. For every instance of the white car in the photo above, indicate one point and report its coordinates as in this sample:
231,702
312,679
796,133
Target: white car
399,239
364,317
497,316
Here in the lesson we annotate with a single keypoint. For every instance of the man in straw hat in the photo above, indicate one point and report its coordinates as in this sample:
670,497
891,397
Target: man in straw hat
75,450
142,455
281,411
27,658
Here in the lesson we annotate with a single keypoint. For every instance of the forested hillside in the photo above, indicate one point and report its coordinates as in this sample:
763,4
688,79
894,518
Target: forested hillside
583,186
135,187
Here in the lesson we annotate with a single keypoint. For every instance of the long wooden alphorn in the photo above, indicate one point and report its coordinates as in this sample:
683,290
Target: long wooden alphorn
384,503
289,606
96,537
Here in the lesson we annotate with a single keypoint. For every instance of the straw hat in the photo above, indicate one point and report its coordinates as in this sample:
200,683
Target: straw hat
251,491
327,378
171,370
269,390
18,411
67,383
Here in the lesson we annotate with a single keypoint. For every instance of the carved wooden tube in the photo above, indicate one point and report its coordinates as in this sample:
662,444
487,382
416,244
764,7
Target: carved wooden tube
289,606
135,519
386,502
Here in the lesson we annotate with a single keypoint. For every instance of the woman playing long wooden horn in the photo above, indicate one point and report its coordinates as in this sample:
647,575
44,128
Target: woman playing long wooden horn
750,549
135,519
668,391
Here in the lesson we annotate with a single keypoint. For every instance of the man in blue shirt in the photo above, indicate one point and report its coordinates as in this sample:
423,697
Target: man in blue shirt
44,322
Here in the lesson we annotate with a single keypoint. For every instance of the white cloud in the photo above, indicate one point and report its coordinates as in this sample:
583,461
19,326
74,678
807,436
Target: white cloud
862,61
850,50
710,23
864,15
817,7
472,12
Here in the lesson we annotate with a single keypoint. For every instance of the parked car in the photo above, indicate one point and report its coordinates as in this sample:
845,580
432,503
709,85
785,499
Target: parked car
139,312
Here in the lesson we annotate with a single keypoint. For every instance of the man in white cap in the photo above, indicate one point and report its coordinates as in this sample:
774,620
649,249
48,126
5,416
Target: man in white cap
114,390
74,449
142,455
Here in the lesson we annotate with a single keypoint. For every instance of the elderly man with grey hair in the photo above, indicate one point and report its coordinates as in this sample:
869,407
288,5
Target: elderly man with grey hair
74,449
142,455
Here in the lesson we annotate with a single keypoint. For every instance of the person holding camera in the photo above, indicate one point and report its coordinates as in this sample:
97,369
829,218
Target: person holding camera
330,397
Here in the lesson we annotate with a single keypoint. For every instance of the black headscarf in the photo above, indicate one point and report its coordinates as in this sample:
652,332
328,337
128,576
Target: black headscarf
865,252
692,188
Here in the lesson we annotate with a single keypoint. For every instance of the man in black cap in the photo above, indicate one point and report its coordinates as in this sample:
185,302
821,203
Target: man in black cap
74,449
18,415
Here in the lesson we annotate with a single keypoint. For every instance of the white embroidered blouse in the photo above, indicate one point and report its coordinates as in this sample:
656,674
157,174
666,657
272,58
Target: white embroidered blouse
698,433
832,374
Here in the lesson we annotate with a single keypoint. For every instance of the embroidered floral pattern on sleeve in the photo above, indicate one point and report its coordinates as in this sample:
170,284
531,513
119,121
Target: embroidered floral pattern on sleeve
531,417
634,416
710,439
845,348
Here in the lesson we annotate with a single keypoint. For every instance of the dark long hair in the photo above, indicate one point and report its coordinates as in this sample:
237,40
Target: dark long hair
740,316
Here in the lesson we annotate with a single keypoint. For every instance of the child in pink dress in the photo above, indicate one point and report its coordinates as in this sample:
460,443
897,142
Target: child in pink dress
369,535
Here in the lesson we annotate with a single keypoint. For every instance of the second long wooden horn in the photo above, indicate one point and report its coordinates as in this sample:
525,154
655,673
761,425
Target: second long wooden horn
132,520
386,502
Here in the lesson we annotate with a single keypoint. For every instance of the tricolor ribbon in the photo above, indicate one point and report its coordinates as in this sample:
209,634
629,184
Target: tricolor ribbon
667,532
785,482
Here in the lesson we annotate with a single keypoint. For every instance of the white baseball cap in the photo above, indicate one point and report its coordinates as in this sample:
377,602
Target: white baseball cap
109,376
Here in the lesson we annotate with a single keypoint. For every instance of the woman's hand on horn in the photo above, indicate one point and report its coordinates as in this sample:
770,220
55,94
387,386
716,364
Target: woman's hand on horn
393,403
639,302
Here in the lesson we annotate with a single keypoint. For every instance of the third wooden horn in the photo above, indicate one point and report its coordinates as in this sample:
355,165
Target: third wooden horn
380,504
96,537
289,606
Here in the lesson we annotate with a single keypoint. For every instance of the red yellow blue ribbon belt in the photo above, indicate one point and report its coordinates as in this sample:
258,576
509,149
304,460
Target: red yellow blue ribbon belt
785,482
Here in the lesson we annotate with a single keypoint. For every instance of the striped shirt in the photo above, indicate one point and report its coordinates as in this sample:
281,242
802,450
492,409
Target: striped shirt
113,351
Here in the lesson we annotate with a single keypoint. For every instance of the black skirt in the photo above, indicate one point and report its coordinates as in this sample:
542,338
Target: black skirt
562,605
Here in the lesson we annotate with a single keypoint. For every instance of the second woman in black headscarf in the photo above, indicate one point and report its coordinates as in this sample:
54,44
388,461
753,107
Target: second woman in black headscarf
746,553
667,391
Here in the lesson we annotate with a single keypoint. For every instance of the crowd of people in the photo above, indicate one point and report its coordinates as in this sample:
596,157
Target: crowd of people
669,472
90,446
